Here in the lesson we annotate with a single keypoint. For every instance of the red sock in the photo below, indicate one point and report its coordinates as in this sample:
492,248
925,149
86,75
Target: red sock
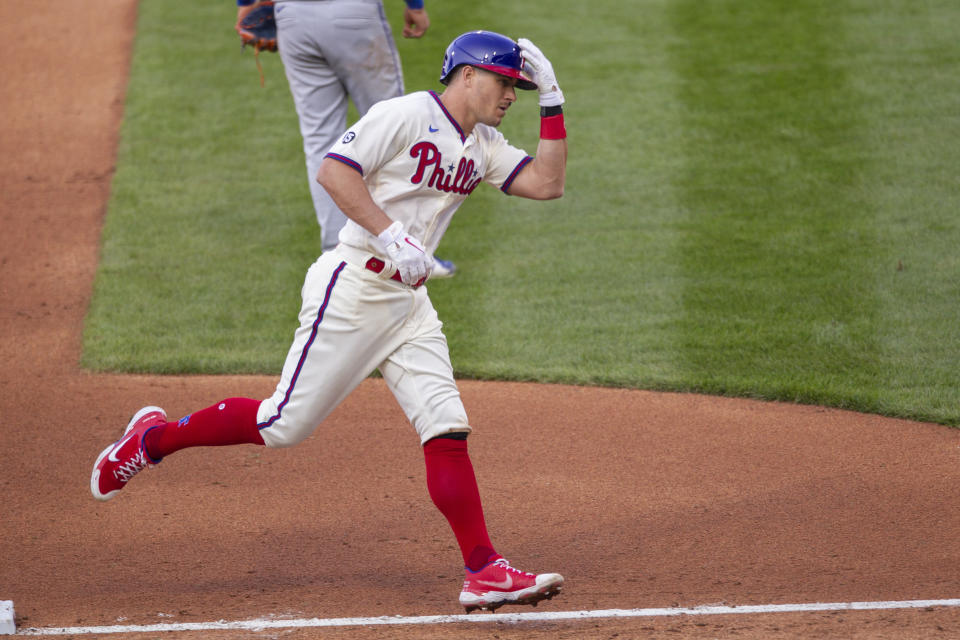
232,421
453,488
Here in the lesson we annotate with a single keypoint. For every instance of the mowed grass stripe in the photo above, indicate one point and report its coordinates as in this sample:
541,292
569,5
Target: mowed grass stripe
579,289
778,245
905,59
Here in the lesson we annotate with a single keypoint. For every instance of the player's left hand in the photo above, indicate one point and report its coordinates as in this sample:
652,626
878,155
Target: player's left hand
541,72
415,22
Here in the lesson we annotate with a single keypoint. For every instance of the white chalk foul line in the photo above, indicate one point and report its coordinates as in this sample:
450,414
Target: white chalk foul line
546,616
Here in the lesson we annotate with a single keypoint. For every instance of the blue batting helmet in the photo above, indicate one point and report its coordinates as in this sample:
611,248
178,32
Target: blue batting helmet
487,50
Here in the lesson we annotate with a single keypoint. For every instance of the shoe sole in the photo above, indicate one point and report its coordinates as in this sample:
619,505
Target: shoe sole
543,592
95,475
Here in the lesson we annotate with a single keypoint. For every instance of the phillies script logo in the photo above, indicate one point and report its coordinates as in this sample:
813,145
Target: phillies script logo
461,182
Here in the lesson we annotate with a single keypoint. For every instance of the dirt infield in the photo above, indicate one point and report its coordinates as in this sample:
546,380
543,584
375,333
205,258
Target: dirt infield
640,499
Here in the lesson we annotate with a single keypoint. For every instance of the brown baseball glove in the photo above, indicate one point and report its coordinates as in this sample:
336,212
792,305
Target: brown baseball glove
257,26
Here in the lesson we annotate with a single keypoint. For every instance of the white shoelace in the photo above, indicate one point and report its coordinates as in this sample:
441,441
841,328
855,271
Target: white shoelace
131,467
503,562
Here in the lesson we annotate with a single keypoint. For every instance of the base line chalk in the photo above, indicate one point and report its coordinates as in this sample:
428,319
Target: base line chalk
546,616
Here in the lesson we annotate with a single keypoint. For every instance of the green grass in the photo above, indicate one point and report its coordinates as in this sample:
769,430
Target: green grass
761,201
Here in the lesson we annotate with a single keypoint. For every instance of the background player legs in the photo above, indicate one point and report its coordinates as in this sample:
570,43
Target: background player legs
332,51
319,95
329,217
370,67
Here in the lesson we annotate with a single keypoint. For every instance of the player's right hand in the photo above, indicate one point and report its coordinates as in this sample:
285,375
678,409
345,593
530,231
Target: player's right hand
407,254
415,22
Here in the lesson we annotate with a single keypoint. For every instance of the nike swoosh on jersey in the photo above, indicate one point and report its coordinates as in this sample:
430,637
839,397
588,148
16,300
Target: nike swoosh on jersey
506,584
433,129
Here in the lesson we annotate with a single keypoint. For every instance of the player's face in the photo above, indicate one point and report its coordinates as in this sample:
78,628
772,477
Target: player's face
494,95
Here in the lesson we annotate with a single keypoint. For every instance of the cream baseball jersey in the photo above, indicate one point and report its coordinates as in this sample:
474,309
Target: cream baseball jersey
419,167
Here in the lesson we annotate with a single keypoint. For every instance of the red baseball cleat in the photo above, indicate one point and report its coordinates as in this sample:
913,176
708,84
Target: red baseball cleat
498,584
127,456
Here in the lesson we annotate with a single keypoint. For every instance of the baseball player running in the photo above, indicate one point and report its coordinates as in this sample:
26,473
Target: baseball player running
398,174
333,50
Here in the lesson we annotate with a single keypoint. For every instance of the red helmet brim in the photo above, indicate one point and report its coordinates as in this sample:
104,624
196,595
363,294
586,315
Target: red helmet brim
522,81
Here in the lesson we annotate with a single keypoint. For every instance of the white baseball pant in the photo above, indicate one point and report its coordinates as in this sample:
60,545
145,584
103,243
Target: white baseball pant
353,321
